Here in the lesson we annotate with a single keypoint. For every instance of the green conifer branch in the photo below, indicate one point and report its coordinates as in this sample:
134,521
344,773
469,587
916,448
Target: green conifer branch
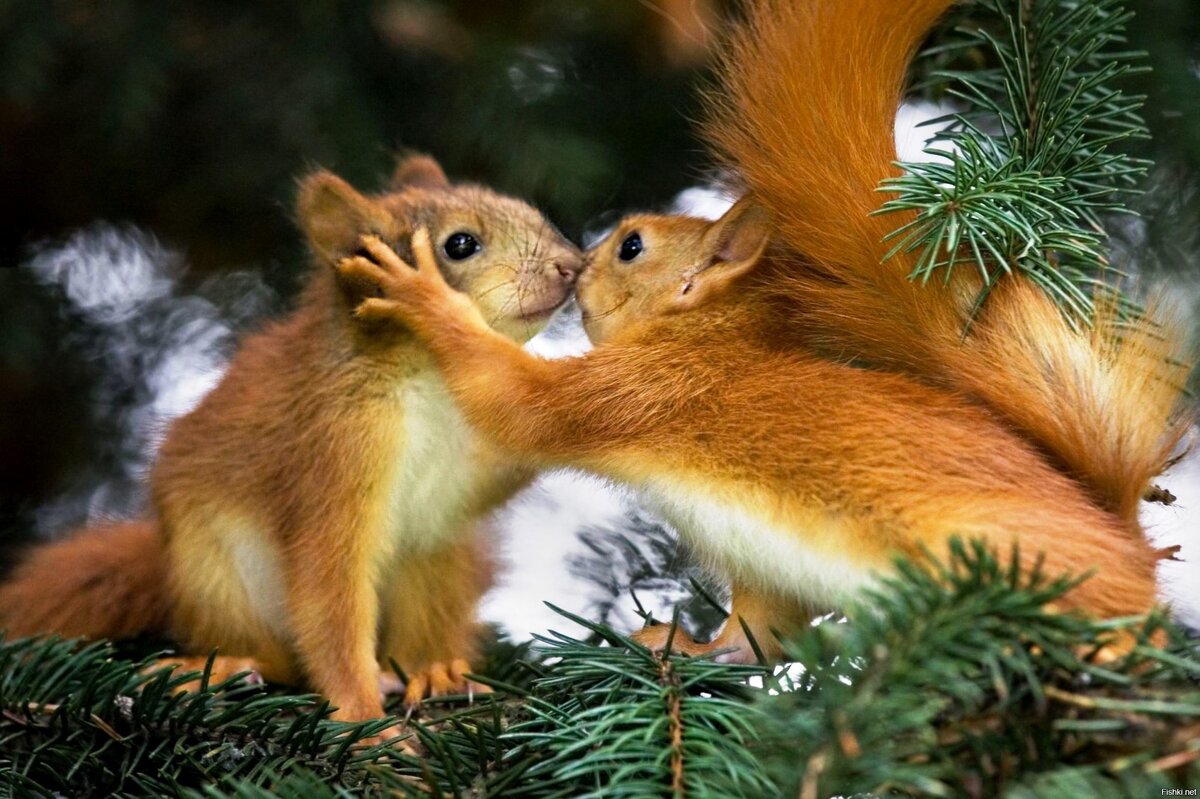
950,679
1034,161
609,718
953,679
75,720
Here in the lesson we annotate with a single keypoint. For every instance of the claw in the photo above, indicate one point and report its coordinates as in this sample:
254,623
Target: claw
443,678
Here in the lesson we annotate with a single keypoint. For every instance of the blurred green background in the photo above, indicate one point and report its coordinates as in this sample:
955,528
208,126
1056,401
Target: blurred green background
193,120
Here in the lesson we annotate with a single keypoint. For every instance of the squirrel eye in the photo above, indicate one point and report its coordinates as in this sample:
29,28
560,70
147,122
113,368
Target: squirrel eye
461,245
631,247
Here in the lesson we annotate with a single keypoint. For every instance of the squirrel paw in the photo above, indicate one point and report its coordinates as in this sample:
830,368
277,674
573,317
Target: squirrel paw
736,648
406,293
1121,645
654,638
223,668
442,678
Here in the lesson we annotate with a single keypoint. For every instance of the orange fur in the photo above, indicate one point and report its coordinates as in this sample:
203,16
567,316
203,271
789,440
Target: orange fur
805,116
320,509
797,477
103,582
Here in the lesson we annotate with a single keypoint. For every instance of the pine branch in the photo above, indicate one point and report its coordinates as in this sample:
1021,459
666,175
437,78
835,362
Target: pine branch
607,718
642,724
1034,162
76,721
643,558
955,680
950,679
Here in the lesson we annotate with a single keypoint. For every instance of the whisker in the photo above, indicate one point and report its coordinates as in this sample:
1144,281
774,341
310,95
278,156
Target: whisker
496,287
611,310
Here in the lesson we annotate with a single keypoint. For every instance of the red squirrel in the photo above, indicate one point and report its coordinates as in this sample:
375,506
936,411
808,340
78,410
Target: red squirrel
318,515
797,409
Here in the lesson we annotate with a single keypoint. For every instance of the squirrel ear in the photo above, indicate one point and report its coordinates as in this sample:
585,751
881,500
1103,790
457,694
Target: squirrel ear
421,171
333,215
733,243
741,235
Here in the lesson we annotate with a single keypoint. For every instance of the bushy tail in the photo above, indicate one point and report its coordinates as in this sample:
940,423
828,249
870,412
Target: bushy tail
102,582
805,115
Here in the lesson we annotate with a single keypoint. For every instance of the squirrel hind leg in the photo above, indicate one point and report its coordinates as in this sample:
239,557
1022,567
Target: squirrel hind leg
440,679
430,624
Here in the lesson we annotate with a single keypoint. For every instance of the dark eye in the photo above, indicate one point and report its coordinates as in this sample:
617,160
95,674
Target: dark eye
461,245
631,247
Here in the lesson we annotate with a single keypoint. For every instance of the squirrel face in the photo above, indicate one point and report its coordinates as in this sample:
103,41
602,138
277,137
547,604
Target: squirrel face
499,251
652,266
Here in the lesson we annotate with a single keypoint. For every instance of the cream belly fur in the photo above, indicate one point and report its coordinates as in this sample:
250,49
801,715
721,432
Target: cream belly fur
258,566
440,477
728,536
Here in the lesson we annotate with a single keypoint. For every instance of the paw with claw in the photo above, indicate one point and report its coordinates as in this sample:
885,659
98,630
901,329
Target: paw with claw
415,295
731,643
442,678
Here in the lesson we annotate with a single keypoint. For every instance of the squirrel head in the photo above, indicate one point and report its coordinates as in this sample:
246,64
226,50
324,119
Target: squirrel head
652,266
499,251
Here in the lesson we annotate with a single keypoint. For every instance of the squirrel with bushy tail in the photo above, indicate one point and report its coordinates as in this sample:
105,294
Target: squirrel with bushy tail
323,513
782,393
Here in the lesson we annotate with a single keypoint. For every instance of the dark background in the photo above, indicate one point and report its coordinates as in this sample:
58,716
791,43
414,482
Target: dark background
192,121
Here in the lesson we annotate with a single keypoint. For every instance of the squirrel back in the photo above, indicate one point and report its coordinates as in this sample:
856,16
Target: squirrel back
805,116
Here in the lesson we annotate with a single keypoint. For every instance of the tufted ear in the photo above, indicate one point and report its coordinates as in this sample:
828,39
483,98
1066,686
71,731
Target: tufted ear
732,246
420,171
333,215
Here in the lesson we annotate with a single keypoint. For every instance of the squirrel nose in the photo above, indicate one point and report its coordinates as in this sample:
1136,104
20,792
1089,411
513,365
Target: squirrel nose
568,269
